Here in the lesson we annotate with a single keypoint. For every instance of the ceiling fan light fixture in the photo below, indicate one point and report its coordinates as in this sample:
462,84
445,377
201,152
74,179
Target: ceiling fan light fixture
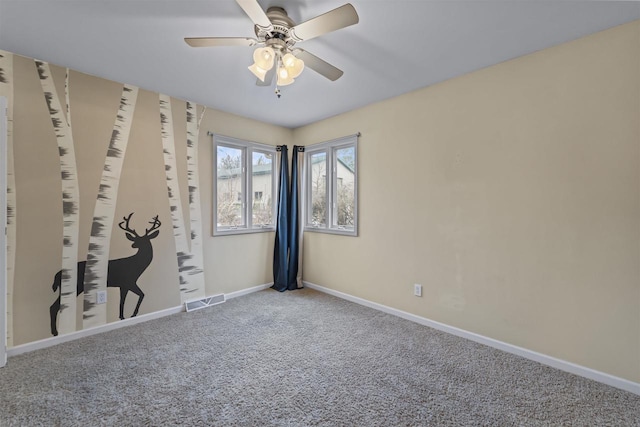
264,57
258,72
276,34
293,65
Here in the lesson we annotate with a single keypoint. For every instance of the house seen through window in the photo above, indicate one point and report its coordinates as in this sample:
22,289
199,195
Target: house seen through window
331,190
243,168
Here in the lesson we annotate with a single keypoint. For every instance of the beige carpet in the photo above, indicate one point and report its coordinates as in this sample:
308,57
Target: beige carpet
299,358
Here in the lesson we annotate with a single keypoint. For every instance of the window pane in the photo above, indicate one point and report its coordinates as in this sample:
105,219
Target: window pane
229,189
262,183
318,213
331,191
345,187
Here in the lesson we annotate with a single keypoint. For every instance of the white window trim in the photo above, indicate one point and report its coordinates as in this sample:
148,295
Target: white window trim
3,237
330,148
247,147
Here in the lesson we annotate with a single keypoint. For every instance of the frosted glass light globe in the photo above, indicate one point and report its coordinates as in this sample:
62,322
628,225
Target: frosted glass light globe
293,65
263,57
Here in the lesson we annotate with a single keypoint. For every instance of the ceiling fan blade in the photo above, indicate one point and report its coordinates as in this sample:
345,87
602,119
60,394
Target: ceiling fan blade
268,78
255,12
319,66
220,41
333,20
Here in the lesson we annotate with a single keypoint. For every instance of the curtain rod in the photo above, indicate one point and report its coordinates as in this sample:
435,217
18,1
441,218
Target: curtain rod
299,148
358,134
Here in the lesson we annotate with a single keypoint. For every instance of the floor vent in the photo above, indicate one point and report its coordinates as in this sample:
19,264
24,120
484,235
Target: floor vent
197,304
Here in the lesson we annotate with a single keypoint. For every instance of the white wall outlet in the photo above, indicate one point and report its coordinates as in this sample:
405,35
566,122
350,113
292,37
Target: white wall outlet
101,297
417,290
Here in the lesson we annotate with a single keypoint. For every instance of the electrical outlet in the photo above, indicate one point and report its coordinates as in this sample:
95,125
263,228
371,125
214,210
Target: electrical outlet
417,290
101,297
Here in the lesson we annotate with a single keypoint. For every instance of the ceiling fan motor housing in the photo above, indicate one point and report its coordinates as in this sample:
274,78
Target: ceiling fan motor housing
279,36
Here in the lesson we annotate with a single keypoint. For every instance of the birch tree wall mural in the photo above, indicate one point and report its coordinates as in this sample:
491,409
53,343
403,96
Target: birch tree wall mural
87,188
61,120
196,275
190,268
95,278
6,90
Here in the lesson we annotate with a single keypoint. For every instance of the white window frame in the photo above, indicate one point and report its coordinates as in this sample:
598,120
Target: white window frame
247,148
3,233
330,148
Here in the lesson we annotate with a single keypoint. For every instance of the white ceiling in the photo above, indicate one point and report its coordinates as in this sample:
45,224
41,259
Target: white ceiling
397,47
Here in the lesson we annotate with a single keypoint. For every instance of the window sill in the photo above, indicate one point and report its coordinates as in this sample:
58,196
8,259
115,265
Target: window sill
231,232
341,232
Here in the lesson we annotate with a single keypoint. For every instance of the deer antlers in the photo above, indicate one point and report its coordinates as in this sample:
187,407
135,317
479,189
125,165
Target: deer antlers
126,225
155,224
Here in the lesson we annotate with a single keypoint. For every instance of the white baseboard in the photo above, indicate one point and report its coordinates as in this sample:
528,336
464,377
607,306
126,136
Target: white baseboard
563,365
49,342
242,292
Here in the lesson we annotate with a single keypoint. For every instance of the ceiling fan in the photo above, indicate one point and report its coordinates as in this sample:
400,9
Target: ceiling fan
277,34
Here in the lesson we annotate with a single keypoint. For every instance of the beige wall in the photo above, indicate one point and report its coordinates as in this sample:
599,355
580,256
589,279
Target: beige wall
237,261
231,263
513,195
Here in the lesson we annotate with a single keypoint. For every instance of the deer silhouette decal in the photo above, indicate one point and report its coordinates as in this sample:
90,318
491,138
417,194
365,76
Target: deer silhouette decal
122,273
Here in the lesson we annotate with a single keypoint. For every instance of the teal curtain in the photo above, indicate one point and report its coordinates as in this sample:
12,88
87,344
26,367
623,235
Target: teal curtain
286,248
294,220
281,246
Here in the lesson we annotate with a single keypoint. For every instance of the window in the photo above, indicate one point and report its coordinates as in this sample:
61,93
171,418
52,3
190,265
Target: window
243,168
331,188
